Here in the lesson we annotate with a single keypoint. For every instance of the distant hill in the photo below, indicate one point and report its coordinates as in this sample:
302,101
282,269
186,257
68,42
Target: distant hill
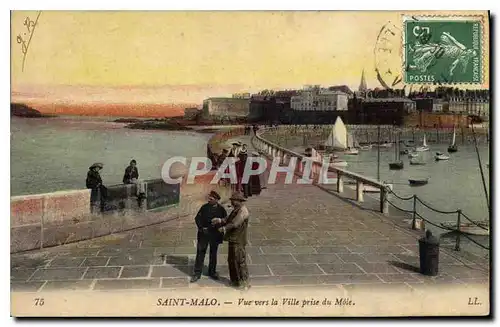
22,110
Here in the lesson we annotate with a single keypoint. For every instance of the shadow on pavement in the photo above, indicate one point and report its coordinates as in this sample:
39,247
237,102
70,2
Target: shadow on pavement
405,266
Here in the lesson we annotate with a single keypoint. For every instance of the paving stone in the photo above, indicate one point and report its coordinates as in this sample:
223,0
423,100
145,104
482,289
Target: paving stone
25,286
341,268
378,268
21,274
317,258
126,284
73,285
376,257
272,258
66,262
265,281
30,263
171,271
350,279
391,278
135,260
175,250
102,272
309,242
95,261
287,249
369,249
332,249
270,242
351,257
295,269
174,282
135,271
58,274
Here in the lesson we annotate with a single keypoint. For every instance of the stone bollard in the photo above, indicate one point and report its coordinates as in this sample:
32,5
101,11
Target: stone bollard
359,191
340,182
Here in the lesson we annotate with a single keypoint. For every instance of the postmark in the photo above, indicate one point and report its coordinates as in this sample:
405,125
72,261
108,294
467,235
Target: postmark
443,49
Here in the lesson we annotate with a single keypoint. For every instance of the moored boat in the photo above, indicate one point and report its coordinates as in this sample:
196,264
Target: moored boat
351,151
424,146
338,163
480,228
412,155
453,146
418,181
441,156
415,162
398,163
365,147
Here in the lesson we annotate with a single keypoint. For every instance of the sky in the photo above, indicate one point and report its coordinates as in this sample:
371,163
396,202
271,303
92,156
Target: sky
183,57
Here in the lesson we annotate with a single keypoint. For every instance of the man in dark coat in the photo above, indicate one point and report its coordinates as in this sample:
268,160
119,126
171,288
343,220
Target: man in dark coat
235,228
94,182
255,187
131,173
240,170
208,234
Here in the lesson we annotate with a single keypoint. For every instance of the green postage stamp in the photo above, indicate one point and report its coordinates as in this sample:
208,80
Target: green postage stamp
443,49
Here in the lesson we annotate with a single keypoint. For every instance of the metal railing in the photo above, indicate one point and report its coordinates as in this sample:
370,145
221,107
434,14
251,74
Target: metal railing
459,214
273,150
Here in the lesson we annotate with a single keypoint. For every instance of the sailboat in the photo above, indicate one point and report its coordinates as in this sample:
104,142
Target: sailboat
337,140
398,163
415,162
351,150
441,156
424,146
453,146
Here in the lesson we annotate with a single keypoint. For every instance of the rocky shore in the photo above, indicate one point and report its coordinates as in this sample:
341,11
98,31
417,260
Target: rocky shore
22,110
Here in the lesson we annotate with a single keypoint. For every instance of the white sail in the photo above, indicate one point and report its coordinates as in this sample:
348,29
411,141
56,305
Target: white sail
453,137
338,135
425,141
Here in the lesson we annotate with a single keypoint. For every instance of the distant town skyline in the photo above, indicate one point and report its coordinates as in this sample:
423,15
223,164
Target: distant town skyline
184,57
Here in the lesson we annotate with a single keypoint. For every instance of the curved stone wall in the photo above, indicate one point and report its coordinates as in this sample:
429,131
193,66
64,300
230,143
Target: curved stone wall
44,220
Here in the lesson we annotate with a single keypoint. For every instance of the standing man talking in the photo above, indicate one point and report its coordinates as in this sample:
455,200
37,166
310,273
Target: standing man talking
235,228
208,234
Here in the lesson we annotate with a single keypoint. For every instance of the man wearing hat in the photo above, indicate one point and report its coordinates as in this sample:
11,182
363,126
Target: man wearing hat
94,182
208,234
235,150
235,228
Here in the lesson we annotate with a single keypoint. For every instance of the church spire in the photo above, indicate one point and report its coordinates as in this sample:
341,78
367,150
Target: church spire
362,85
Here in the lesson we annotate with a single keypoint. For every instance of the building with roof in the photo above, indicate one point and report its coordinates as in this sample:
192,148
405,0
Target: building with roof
315,98
226,107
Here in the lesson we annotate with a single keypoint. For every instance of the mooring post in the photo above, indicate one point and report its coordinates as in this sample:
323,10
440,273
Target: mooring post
359,191
457,242
340,182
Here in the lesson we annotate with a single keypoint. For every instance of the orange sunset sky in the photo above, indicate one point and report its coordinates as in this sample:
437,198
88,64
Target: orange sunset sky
156,63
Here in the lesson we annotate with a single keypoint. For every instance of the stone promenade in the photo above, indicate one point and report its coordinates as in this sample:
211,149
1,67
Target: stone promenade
300,235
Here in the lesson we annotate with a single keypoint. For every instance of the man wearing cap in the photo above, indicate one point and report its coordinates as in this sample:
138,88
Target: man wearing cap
235,229
208,234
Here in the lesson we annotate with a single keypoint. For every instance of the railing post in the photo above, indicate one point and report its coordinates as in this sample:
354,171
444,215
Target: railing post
384,204
359,191
457,242
340,182
414,222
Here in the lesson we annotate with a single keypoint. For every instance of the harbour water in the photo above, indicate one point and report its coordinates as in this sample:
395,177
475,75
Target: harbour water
453,184
53,154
